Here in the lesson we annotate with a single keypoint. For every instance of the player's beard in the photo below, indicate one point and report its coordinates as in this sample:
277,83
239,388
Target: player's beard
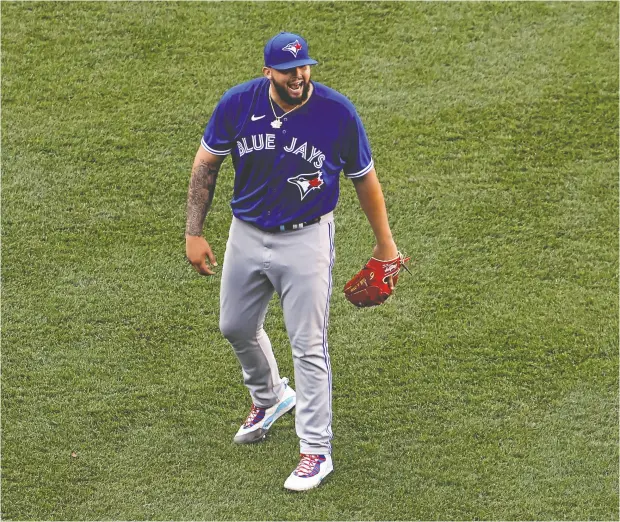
282,91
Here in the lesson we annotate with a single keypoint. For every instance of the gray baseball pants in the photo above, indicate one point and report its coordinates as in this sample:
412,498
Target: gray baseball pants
296,264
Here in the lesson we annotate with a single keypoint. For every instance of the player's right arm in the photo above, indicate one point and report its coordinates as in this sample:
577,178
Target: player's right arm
199,197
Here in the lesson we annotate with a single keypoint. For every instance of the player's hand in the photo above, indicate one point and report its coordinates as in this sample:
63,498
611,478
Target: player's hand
385,251
197,251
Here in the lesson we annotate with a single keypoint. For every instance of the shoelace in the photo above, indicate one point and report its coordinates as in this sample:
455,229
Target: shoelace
254,411
306,464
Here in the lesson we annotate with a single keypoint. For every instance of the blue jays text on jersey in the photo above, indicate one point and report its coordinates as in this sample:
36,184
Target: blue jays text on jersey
288,174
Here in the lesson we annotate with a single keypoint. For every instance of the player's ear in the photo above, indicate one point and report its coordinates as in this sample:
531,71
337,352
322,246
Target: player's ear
267,72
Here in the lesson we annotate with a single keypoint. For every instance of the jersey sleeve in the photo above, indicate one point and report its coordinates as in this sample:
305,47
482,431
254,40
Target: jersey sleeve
357,154
217,137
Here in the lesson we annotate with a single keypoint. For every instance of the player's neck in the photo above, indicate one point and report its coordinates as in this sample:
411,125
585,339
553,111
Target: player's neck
285,106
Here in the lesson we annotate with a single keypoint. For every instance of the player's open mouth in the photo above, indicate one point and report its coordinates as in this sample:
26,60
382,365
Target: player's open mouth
296,88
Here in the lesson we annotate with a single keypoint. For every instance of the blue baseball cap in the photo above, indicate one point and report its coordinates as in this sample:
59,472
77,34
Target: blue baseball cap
286,50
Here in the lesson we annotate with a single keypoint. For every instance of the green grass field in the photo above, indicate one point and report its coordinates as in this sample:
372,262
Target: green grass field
486,388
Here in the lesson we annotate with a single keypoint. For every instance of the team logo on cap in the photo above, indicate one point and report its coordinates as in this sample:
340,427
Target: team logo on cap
306,183
293,48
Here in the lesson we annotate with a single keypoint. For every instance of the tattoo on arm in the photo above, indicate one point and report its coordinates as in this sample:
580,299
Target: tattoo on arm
200,196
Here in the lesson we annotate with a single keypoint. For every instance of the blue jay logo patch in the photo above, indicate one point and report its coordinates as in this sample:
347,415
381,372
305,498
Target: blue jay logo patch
306,183
293,48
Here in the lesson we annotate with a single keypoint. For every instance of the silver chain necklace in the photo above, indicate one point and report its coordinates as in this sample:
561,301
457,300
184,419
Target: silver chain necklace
277,123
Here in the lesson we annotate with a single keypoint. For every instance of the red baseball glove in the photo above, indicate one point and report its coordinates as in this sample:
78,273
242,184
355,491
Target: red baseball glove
371,286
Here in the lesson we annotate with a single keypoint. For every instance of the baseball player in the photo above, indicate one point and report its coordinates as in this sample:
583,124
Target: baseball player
289,138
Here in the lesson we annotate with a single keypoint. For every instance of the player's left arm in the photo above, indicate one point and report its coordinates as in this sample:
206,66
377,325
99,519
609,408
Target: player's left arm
371,199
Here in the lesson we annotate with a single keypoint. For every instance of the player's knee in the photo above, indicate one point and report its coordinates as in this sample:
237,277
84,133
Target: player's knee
235,329
227,327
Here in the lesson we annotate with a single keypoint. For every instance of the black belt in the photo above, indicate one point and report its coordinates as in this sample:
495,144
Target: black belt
289,226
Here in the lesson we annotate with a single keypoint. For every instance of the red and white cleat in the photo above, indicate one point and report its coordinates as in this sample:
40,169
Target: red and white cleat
255,427
310,472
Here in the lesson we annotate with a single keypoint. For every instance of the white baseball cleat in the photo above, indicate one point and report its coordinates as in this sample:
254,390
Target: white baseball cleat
310,472
255,427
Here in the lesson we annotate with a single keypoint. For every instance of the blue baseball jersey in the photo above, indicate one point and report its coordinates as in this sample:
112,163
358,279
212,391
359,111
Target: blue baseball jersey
288,174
